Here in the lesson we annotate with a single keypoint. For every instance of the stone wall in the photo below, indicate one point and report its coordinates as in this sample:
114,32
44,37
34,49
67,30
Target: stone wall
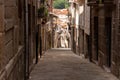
84,28
80,30
108,36
116,39
12,45
11,52
32,32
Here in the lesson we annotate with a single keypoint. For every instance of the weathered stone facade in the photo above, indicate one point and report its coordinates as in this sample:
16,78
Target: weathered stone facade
104,29
12,43
80,24
98,37
115,40
44,26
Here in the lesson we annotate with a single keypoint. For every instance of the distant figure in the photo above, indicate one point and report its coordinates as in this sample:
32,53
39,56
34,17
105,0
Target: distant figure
64,36
61,36
56,36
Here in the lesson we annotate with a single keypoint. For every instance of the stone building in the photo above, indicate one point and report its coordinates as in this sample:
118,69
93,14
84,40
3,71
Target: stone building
74,19
84,28
44,24
80,26
104,34
97,36
115,39
17,45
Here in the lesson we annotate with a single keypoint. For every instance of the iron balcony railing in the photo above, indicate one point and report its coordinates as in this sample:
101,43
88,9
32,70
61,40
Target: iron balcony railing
97,2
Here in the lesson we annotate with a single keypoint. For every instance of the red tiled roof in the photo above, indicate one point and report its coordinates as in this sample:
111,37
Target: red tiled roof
60,11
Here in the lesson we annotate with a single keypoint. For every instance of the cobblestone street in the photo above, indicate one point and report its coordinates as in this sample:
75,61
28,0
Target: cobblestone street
60,64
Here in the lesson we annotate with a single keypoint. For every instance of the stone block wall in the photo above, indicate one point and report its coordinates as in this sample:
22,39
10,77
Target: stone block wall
1,16
115,68
80,34
2,50
108,48
32,32
2,36
12,39
11,52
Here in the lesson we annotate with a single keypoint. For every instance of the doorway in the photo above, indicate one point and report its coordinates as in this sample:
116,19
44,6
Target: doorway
108,21
95,38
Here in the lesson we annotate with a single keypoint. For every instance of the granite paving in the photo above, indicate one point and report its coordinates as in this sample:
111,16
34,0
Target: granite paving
63,64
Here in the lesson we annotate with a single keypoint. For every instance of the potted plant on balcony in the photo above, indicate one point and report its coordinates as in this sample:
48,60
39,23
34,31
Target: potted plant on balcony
43,14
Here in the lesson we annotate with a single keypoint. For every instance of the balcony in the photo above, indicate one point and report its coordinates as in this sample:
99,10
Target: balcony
92,2
100,2
81,1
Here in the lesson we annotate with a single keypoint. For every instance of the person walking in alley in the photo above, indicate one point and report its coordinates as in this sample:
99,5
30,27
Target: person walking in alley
64,37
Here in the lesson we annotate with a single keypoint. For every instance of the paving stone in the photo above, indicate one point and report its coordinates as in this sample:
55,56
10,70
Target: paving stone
65,65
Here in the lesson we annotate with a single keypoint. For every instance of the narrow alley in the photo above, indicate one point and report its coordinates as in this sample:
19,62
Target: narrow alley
63,64
59,39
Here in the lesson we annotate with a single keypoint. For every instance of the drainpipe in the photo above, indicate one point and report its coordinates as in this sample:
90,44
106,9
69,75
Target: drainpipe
26,56
90,38
37,32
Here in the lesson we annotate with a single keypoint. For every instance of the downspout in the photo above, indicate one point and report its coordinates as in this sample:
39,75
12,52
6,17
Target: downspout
37,32
90,38
26,42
